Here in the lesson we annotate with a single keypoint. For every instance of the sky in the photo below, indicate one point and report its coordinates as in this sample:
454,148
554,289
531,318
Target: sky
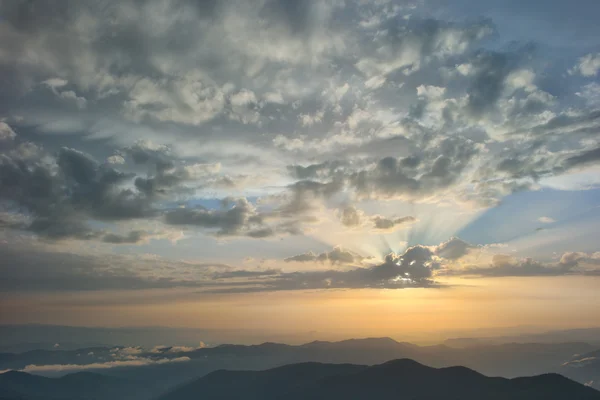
334,167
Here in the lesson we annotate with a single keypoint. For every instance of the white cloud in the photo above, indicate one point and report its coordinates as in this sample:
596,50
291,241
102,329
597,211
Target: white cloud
187,100
588,65
6,132
591,94
115,159
546,220
55,82
430,91
521,79
273,97
375,82
288,143
135,362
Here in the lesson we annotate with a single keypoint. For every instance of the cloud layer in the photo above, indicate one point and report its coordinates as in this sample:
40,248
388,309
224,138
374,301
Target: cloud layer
342,141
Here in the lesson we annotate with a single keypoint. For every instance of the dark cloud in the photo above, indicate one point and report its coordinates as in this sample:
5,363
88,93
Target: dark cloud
131,238
301,196
584,158
236,217
488,82
387,178
28,267
246,274
315,171
95,188
441,165
383,223
62,226
62,193
32,269
172,179
350,216
42,270
453,249
584,122
503,265
413,268
143,151
336,256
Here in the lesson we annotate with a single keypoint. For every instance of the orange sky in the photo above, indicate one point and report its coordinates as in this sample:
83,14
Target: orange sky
420,315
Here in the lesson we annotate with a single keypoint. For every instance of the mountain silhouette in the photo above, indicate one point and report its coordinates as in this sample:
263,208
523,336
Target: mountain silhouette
16,385
399,379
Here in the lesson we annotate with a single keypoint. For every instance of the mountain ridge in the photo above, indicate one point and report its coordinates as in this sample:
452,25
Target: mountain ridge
403,376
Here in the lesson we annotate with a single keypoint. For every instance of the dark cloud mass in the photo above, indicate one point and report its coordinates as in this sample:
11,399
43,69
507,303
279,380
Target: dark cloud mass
131,237
237,216
453,248
336,256
62,192
386,223
350,216
46,270
414,268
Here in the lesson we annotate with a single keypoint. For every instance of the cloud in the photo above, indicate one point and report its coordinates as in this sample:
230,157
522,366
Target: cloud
61,194
591,94
115,159
584,158
571,258
336,256
415,177
503,265
6,132
406,45
582,362
386,224
293,114
51,270
132,237
143,151
135,362
56,83
588,65
176,179
546,220
246,274
413,268
453,249
176,349
199,101
490,74
350,216
237,217
302,196
46,270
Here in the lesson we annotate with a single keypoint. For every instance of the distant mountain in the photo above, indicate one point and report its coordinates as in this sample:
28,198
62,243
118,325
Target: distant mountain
507,360
79,386
400,379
